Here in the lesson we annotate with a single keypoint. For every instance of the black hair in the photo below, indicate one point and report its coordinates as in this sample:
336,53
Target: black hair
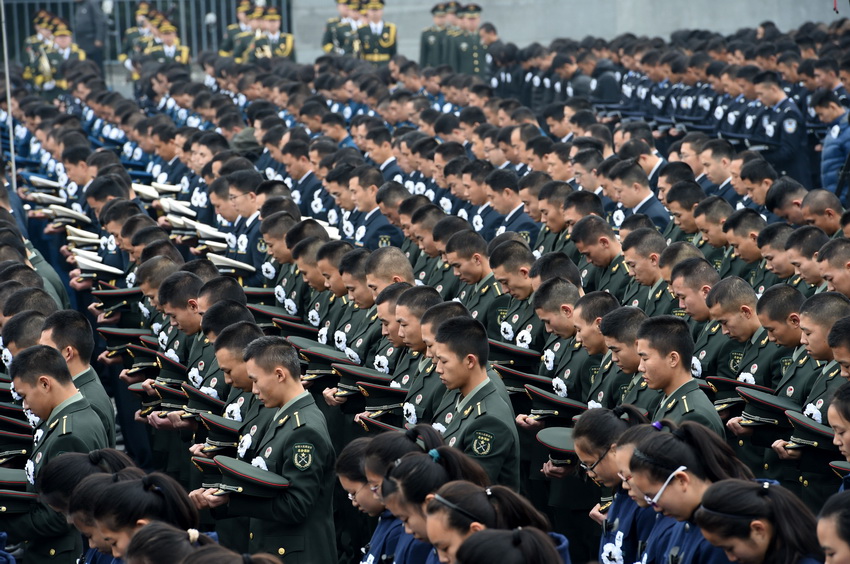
464,336
223,288
418,474
163,542
237,336
519,546
349,463
622,324
386,448
57,479
666,334
157,496
222,314
178,289
29,298
496,507
70,327
270,353
780,301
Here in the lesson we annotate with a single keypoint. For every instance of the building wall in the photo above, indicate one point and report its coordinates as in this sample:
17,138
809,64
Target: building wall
525,21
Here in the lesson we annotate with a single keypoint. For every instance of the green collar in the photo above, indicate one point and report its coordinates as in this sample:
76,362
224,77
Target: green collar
464,400
757,336
288,404
58,409
483,282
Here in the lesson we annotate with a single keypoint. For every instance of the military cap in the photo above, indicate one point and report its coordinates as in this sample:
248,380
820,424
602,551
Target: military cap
150,341
211,474
241,477
244,6
227,265
372,423
290,328
272,14
223,433
840,467
62,214
16,425
765,408
17,502
173,399
14,444
13,410
552,407
439,9
145,362
171,364
519,358
559,441
300,342
62,30
70,230
374,4
149,402
118,339
725,391
117,300
452,6
167,27
472,10
319,360
266,314
94,269
261,296
515,382
257,14
200,401
143,9
808,432
13,479
350,375
6,391
382,398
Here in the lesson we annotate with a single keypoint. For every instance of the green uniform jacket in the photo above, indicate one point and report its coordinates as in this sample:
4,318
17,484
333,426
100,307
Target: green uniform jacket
761,278
469,54
485,430
638,394
608,386
575,370
426,392
820,397
378,49
714,255
673,234
733,265
204,371
799,378
713,350
385,356
636,295
291,292
488,304
615,278
297,526
660,301
761,362
430,47
521,326
407,365
226,47
442,278
72,427
797,281
546,241
689,403
264,48
89,384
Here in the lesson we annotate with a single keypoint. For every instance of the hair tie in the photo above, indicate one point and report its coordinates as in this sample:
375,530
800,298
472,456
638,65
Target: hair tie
488,492
658,425
434,454
193,535
625,416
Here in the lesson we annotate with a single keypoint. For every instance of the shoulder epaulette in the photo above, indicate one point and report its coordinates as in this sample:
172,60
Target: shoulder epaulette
297,420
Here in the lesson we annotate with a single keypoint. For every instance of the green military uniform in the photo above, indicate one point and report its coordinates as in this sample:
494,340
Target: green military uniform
73,426
660,301
615,278
241,42
361,348
820,396
411,250
486,302
547,241
608,385
423,266
574,371
349,319
521,326
129,47
568,247
179,54
761,362
759,277
442,278
797,282
640,395
713,350
318,307
378,48
431,46
483,427
714,255
425,393
636,294
297,526
406,367
386,355
689,403
292,292
204,371
56,58
673,234
227,42
89,384
733,265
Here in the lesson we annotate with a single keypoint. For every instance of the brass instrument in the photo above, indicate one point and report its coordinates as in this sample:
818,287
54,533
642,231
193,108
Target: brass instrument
44,65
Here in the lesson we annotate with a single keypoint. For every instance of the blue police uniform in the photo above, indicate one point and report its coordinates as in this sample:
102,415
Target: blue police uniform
486,220
688,545
382,546
784,129
374,230
621,530
411,551
519,222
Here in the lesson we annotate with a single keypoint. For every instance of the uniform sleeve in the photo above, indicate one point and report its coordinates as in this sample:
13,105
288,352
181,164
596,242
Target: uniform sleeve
491,443
305,485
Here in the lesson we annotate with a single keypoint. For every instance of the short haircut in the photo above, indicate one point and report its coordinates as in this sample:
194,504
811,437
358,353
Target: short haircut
29,298
835,251
237,336
714,208
448,226
667,334
744,221
418,299
23,329
758,170
442,311
588,230
178,289
556,265
782,192
645,241
500,180
826,308
839,335
676,172
596,305
775,235
818,201
466,243
354,263
223,288
244,181
511,256
277,225
153,271
584,203
464,336
304,229
333,251
70,328
391,293
224,313
807,240
731,293
307,249
695,273
554,293
676,252
269,353
622,324
780,301
686,193
387,262
40,360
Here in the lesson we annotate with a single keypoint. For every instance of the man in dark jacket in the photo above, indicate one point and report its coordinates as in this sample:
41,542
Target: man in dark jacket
836,143
90,30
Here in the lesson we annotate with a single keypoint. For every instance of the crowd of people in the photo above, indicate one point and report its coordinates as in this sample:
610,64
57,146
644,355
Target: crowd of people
580,302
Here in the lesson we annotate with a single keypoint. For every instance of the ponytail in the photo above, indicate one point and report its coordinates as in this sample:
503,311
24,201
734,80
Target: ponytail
58,478
692,445
496,507
600,428
519,546
155,496
386,448
161,542
730,506
84,495
418,474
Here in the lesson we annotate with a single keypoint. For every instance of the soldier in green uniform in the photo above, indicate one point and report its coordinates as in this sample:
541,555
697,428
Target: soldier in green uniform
69,424
340,31
691,281
823,209
642,250
431,44
133,44
665,347
480,292
234,29
467,55
594,238
511,263
742,229
553,237
406,359
69,332
832,262
50,78
709,216
802,249
170,49
290,290
681,198
682,177
378,39
437,273
273,42
242,41
296,525
771,242
482,424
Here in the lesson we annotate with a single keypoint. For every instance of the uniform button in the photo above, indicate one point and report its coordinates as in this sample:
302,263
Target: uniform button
766,466
741,443
251,536
281,551
801,479
52,552
805,483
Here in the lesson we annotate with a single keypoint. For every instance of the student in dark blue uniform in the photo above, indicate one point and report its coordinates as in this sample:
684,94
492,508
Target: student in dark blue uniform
373,229
674,468
758,522
250,247
380,149
631,185
595,436
783,128
484,218
307,190
503,193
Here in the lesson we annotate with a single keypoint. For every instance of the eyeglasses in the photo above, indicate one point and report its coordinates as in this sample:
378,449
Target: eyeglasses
374,489
624,478
653,501
231,198
592,467
351,496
